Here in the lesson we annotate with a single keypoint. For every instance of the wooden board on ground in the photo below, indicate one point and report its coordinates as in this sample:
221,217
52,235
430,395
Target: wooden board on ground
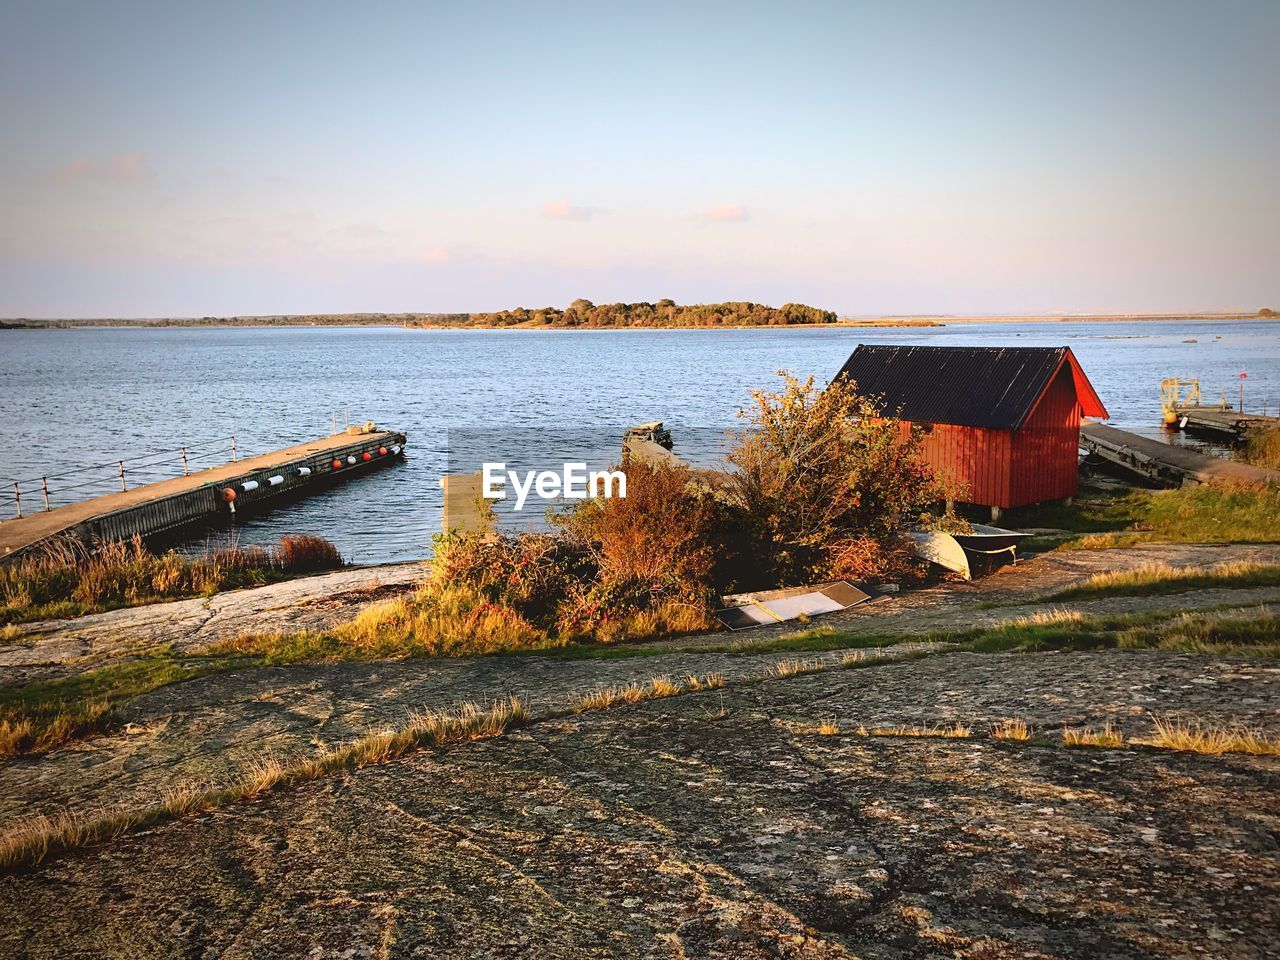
776,606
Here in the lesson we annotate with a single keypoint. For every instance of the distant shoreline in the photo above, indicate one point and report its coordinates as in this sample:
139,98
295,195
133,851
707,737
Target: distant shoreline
393,320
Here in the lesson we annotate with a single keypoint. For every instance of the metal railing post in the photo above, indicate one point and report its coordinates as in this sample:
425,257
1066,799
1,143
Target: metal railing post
44,486
123,488
185,471
233,448
17,497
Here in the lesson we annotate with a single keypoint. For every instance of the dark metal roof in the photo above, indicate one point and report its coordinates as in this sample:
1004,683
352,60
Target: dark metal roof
994,387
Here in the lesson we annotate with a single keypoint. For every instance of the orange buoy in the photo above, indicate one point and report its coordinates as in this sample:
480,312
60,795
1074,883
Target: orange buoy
228,495
382,451
366,456
337,464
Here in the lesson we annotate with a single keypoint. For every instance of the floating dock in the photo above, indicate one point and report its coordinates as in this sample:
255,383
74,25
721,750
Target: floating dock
204,496
1165,464
1224,422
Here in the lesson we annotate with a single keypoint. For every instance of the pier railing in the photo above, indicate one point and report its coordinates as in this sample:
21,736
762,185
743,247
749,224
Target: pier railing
24,497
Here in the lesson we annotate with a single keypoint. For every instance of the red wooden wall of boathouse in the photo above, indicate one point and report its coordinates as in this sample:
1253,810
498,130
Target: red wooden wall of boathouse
1013,468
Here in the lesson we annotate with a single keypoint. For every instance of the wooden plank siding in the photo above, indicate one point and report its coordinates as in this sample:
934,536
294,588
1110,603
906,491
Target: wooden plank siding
1012,468
1045,463
975,460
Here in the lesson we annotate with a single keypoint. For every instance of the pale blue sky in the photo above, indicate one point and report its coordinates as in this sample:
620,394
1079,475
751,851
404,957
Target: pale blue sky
189,159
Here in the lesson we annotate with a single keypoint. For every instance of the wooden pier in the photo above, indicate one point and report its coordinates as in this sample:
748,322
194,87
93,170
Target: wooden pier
204,496
1166,464
1224,422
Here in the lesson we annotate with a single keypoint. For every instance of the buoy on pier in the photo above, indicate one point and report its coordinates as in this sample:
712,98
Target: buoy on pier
249,485
337,464
304,471
351,459
366,456
228,495
382,451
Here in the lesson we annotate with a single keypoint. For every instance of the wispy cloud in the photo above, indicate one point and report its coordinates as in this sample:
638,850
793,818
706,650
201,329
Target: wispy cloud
436,255
129,167
564,210
726,213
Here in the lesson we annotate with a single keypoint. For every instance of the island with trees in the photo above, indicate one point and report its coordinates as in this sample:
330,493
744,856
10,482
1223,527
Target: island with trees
662,314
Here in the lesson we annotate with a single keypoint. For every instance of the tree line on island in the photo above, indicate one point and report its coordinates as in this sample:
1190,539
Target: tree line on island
664,313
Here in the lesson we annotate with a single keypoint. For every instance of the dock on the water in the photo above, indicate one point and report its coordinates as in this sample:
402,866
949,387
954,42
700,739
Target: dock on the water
1224,422
1164,463
206,495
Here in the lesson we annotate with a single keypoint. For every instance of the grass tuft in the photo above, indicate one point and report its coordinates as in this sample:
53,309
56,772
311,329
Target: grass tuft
948,731
1011,729
1108,736
1197,737
795,667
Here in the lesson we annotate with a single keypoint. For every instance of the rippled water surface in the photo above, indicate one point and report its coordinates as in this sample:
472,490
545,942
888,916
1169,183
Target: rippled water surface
74,398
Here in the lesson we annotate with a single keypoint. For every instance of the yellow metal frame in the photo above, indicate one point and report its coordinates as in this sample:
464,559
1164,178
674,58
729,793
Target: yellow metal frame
1173,398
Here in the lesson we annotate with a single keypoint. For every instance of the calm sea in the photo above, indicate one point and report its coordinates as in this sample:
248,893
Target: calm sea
70,399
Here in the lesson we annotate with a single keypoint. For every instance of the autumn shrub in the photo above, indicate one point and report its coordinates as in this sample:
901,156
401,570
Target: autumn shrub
824,483
303,553
530,573
1263,450
667,532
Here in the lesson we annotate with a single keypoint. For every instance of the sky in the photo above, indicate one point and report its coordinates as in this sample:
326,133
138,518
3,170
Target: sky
183,159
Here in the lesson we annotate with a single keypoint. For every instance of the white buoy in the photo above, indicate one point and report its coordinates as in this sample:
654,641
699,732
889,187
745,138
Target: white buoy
276,480
395,449
304,471
351,459
249,485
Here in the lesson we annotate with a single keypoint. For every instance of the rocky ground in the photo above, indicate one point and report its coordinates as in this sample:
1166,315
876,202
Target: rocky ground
722,823
51,648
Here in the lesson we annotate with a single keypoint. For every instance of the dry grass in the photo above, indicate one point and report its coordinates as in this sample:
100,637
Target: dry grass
1158,578
828,728
31,840
67,579
1108,736
1197,737
1011,728
303,553
947,731
1253,632
794,667
1264,449
36,731
656,689
1053,617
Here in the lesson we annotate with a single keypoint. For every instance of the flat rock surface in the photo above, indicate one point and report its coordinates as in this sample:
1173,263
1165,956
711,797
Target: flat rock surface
724,824
211,729
37,651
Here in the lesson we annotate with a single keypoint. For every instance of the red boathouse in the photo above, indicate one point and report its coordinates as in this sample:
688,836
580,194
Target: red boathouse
1002,422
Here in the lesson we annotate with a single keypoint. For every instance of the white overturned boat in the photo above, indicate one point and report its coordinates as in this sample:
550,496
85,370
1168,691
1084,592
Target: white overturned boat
952,551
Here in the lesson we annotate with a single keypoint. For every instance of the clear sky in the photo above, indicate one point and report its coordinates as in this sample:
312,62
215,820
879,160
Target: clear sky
184,159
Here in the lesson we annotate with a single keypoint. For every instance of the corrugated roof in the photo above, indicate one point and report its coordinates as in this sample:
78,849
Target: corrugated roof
995,387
